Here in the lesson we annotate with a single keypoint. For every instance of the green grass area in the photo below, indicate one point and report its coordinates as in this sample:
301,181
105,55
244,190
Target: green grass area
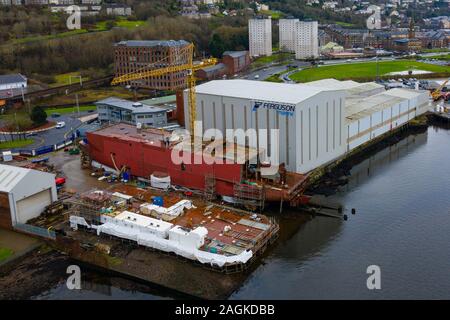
64,79
276,77
74,109
345,24
364,70
15,144
100,26
436,50
121,23
276,57
274,14
5,253
88,96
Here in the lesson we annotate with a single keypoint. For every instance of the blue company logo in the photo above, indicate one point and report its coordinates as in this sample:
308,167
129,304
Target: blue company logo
282,109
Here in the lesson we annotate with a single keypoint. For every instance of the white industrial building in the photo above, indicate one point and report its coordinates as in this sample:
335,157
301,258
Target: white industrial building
311,120
306,39
24,194
287,32
260,36
372,111
318,122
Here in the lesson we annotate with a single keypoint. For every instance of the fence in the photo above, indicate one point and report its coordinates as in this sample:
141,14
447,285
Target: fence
34,230
47,149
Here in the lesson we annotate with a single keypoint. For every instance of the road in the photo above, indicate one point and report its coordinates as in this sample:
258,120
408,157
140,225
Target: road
54,136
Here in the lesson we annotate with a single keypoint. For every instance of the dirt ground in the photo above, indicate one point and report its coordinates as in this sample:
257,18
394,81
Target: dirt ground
33,275
17,242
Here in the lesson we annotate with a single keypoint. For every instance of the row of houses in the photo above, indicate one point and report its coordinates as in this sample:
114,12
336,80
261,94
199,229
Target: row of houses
399,39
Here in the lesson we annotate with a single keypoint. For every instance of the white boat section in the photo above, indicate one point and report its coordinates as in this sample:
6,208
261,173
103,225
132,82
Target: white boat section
163,236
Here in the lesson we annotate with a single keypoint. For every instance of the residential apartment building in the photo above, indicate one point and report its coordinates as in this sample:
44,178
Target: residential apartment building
36,2
260,36
131,56
306,39
287,31
115,9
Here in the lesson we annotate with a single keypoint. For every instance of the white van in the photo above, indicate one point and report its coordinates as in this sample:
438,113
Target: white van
60,125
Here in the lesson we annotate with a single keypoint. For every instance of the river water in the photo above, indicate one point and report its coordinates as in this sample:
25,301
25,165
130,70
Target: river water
402,224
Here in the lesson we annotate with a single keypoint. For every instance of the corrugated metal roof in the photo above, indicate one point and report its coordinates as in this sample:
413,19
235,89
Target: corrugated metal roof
159,100
361,108
129,105
260,90
12,78
10,176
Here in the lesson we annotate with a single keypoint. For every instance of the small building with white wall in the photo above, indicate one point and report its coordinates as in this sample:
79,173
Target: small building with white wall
12,81
24,194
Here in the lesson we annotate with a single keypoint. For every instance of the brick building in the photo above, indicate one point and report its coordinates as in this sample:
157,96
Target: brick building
132,56
236,61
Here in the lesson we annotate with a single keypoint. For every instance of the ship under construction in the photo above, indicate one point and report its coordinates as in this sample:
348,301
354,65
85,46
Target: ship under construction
230,172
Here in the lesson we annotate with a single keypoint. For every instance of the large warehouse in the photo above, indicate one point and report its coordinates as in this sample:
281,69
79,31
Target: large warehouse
318,121
372,111
24,193
311,120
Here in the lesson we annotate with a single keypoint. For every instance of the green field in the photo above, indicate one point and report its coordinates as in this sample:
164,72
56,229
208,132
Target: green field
121,23
345,24
15,144
274,14
363,70
64,79
5,253
73,109
274,58
436,50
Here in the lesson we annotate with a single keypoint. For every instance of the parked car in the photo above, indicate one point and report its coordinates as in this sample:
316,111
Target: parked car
257,76
60,125
55,115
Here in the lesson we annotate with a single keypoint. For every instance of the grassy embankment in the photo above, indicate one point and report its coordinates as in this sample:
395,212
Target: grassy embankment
5,253
98,27
364,71
276,58
12,145
66,110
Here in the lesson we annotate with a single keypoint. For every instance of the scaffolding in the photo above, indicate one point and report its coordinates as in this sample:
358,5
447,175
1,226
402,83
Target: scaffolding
210,187
91,205
249,195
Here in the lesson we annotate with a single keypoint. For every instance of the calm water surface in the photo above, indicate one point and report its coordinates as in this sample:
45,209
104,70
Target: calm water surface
402,224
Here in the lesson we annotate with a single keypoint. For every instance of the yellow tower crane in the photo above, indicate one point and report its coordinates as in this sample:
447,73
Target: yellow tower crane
182,60
437,94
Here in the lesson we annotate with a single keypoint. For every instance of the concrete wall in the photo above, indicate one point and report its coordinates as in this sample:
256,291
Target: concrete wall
320,131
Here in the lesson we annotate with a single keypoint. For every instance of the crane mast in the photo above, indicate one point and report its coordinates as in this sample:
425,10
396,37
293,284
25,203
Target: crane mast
154,70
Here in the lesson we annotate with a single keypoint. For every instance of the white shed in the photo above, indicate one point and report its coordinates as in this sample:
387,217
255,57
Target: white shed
24,194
